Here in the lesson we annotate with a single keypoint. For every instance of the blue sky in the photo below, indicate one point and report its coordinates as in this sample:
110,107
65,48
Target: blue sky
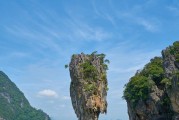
38,37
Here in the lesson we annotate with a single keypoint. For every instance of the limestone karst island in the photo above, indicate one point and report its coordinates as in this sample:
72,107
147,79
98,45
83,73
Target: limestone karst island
88,88
151,94
89,60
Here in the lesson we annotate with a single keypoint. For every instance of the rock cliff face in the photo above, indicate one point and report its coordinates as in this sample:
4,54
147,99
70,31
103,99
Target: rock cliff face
14,105
171,67
153,93
88,89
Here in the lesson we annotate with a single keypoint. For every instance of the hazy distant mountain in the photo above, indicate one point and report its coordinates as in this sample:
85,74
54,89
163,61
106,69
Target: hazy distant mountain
14,105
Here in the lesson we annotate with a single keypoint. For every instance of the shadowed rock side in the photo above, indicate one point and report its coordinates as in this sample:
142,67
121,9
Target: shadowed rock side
171,67
88,89
153,93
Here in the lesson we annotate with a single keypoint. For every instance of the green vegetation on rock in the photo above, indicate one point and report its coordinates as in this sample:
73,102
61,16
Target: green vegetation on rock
174,50
137,89
90,72
139,86
152,93
154,70
14,105
90,87
166,82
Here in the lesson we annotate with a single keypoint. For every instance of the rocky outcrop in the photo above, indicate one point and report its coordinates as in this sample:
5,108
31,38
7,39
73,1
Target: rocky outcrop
88,89
153,93
171,67
150,109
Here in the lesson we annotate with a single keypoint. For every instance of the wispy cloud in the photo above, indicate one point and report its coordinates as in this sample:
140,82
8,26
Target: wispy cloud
42,42
149,24
174,10
104,14
83,31
90,34
130,15
50,28
126,62
48,93
16,55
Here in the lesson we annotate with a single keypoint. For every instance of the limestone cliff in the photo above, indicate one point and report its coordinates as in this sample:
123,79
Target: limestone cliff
88,89
14,105
153,93
171,67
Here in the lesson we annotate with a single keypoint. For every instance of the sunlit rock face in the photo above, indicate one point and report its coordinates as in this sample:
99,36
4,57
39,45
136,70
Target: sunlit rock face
88,89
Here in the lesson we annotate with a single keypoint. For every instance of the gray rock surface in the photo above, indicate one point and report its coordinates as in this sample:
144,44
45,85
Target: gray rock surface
151,109
88,94
171,68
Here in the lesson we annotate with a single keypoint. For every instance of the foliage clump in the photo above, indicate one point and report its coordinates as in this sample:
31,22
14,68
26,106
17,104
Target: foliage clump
90,87
66,66
154,70
174,50
137,89
90,72
167,82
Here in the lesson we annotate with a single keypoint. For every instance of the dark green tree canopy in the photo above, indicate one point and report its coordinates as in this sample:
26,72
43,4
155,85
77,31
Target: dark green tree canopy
138,88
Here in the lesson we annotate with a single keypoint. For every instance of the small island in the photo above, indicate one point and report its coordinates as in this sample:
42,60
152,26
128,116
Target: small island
88,89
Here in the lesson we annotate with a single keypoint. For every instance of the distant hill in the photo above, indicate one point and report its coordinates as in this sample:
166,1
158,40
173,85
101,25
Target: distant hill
14,105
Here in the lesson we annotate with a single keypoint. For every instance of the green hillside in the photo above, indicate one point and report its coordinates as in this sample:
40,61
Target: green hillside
14,105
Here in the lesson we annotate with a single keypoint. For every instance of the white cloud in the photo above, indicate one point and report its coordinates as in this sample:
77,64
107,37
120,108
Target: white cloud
43,38
48,93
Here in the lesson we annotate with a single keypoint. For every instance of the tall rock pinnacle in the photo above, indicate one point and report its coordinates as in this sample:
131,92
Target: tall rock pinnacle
88,89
